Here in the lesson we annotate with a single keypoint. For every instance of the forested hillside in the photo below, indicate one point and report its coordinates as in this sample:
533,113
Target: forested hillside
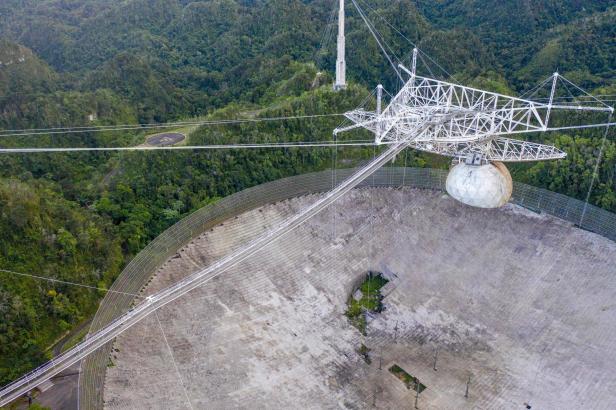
46,235
81,216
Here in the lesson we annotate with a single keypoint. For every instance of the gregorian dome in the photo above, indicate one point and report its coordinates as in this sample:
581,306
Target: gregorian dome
483,186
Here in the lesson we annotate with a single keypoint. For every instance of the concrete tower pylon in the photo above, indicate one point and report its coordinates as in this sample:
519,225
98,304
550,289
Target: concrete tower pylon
340,83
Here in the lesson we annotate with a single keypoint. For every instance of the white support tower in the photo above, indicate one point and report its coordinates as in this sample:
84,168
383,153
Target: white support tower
340,83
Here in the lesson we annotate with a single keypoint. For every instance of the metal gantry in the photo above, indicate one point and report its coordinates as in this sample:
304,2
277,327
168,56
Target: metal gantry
462,120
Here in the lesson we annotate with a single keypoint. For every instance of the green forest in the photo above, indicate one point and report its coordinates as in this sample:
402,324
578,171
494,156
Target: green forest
80,217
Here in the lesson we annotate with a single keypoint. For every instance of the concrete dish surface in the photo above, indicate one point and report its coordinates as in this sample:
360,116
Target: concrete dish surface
521,303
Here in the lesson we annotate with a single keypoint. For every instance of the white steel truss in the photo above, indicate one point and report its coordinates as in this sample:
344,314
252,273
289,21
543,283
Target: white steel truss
461,120
493,149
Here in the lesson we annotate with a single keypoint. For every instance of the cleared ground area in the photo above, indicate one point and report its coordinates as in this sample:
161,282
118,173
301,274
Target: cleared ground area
165,139
524,305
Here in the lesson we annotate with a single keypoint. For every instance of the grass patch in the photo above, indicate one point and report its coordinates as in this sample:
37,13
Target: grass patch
371,300
364,352
76,338
410,381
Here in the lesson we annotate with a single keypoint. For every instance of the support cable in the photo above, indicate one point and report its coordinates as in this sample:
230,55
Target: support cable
595,172
409,40
427,66
570,96
359,10
581,96
437,64
325,36
585,93
188,147
175,366
529,93
382,37
64,282
124,127
384,41
577,127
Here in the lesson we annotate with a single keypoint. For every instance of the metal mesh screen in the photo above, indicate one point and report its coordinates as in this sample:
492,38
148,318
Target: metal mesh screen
139,271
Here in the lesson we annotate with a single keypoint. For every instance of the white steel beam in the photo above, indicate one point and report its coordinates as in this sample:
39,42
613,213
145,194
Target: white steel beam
461,119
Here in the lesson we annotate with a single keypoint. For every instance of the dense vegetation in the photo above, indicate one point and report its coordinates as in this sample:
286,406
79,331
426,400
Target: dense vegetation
47,235
369,300
80,217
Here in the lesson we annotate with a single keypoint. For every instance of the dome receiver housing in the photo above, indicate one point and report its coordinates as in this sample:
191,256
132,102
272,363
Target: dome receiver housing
487,185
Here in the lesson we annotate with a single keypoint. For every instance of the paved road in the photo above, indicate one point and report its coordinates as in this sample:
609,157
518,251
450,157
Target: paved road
165,139
57,349
62,395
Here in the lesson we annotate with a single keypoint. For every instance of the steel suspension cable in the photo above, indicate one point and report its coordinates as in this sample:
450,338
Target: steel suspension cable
408,40
64,282
175,366
359,10
579,127
583,91
123,127
528,93
188,147
596,169
325,36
